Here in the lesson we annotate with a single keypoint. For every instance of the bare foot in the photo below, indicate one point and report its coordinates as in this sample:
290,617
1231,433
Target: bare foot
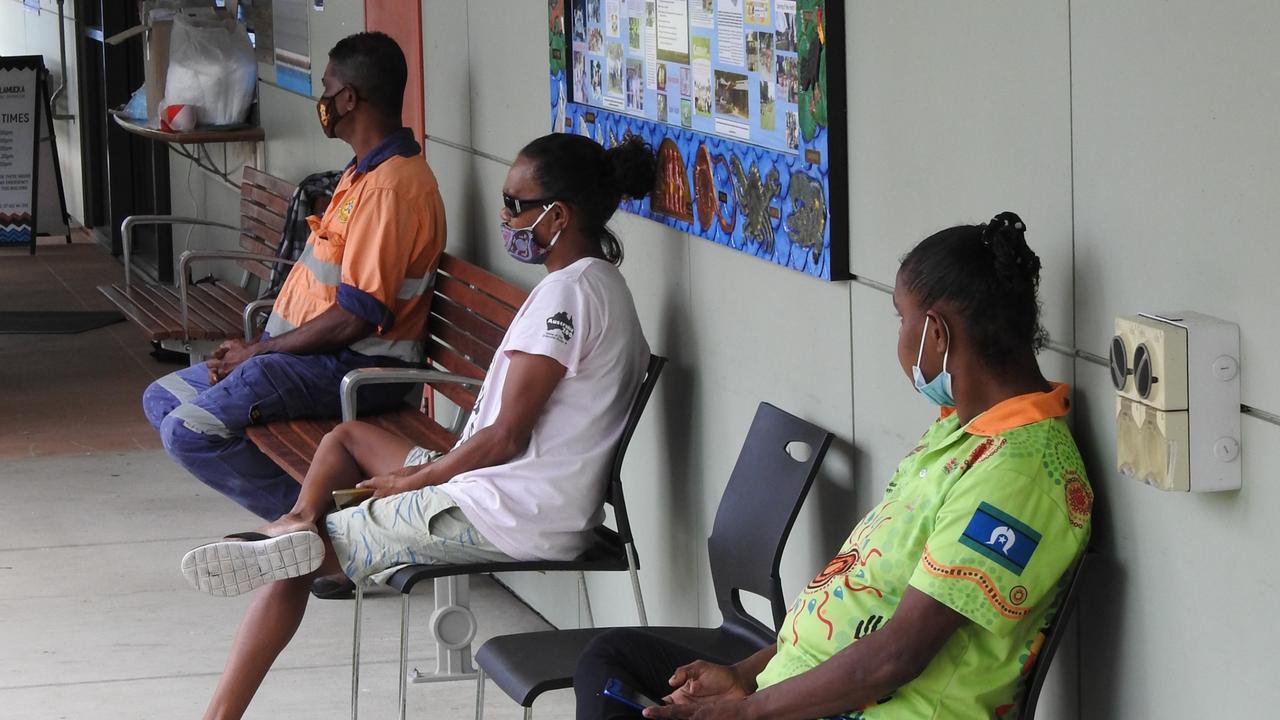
287,523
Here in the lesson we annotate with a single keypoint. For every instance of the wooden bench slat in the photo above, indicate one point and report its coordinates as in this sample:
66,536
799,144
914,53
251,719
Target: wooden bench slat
267,439
467,345
232,297
269,200
269,183
166,301
266,216
261,232
140,312
254,245
486,281
467,321
228,319
486,306
450,360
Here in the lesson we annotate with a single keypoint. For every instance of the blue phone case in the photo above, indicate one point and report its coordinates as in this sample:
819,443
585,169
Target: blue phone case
618,691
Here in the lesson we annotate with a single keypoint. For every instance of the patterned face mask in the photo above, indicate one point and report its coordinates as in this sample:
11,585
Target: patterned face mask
520,244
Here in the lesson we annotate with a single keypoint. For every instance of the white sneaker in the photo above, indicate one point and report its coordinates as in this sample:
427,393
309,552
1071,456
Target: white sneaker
230,567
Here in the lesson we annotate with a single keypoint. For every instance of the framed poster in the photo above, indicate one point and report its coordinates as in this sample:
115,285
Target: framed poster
742,100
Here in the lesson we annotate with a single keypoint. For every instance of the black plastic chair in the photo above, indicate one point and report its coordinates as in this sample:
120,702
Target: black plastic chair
1053,636
775,469
612,550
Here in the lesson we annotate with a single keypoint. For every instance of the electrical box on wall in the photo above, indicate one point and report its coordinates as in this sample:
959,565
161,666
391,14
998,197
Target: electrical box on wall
1177,380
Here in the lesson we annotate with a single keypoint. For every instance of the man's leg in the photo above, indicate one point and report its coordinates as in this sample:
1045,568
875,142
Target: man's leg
162,396
205,434
641,661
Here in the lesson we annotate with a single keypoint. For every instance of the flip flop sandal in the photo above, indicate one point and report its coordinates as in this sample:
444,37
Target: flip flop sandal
333,587
230,568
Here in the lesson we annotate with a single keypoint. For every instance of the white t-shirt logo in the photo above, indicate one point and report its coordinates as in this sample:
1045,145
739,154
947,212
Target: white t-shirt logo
560,327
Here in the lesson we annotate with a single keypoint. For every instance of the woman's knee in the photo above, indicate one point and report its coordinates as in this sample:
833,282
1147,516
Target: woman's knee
345,435
608,649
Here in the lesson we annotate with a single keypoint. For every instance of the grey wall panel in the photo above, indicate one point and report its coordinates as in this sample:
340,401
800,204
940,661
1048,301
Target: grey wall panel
958,111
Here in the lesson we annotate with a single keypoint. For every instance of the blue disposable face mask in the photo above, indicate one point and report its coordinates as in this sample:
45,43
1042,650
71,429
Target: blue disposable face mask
938,390
520,244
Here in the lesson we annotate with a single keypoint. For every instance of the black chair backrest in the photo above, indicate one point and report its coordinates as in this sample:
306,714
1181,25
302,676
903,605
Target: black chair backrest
614,494
1053,636
775,469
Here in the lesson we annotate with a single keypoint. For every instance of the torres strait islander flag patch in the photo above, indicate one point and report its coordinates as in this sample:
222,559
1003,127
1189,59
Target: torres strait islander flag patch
1001,538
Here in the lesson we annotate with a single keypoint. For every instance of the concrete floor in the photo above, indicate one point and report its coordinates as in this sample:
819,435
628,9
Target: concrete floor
95,619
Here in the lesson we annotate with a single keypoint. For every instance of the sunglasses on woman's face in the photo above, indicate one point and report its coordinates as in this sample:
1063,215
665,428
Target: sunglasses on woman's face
515,206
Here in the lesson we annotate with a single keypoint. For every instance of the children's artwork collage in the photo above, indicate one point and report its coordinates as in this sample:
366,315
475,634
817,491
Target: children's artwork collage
734,96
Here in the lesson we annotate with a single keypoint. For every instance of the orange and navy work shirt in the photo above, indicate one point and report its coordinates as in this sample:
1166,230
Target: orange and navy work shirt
374,253
986,518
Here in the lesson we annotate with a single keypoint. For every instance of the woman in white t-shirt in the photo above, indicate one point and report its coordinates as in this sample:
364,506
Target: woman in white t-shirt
528,478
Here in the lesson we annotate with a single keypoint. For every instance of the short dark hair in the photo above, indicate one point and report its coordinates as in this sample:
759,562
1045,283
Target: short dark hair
374,65
578,171
989,276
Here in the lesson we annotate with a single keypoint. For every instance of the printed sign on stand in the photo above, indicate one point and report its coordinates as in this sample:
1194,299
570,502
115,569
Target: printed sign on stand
25,152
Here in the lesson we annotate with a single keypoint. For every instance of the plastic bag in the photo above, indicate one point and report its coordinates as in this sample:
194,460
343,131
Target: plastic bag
136,108
211,67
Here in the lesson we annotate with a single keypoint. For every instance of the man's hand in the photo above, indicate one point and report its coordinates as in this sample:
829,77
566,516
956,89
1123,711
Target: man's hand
228,357
400,480
701,683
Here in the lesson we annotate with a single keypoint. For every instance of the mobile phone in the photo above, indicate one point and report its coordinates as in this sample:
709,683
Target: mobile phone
351,496
618,691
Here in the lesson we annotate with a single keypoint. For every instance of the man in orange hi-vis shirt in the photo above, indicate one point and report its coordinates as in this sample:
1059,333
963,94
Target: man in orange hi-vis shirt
358,296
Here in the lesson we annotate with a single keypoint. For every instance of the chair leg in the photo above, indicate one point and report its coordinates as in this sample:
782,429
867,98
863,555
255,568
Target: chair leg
355,656
453,626
528,713
586,598
404,653
480,694
635,585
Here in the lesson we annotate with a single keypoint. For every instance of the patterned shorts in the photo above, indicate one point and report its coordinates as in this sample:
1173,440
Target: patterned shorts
379,536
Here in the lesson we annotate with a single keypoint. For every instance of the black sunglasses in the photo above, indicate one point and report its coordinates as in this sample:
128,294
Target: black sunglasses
516,206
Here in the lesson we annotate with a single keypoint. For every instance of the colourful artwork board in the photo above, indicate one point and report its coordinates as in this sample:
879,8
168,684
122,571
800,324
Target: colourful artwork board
743,102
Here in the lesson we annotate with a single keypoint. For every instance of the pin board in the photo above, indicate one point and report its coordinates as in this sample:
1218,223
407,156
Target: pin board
742,100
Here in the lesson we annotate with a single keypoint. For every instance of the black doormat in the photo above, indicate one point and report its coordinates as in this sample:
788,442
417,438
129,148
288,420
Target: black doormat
50,322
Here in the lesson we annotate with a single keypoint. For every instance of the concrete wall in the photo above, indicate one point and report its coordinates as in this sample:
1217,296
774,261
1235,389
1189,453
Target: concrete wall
1134,138
26,32
1137,141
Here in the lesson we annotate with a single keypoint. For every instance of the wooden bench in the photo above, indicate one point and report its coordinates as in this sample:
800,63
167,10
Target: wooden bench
190,315
470,312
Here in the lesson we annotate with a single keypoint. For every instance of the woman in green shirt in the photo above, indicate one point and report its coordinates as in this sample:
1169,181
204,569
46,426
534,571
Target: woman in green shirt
937,602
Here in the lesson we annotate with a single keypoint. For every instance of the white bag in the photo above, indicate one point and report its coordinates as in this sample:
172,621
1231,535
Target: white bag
211,67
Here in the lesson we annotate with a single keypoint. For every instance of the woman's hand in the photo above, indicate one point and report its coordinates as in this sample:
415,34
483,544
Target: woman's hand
400,480
701,682
726,710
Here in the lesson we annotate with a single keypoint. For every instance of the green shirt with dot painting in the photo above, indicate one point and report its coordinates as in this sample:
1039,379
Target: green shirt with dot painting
986,519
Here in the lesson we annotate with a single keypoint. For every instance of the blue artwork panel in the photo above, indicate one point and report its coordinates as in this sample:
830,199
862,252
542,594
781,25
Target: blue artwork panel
736,98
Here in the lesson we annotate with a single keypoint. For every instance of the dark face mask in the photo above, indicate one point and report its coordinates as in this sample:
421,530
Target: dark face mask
327,110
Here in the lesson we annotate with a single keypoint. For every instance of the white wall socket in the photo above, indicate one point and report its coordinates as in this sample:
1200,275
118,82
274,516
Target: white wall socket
1177,380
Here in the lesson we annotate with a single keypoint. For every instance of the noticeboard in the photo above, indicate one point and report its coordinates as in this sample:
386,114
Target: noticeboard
742,100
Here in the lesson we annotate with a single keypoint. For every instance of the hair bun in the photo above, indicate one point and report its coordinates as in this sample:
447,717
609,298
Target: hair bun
1015,263
632,166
